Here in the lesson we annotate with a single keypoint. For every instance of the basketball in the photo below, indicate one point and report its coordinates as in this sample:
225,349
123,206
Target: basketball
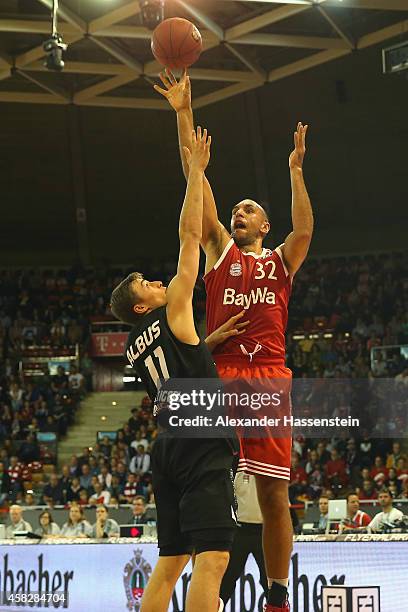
176,43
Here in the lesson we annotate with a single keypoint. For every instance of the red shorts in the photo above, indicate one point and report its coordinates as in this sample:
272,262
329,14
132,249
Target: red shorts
266,455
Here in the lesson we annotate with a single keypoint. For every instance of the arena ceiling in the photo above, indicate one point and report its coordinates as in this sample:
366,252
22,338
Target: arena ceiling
247,43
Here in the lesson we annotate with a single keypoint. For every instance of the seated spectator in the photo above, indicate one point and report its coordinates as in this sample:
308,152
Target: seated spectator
394,456
73,490
134,421
379,472
29,500
298,476
121,472
91,489
404,490
52,492
93,466
132,487
140,464
312,461
359,479
315,482
139,440
355,517
402,469
105,477
388,514
83,458
116,489
324,512
29,450
48,527
86,476
17,523
336,470
104,527
394,490
4,484
352,457
83,497
60,378
106,447
138,511
101,496
65,482
368,490
74,468
76,526
322,453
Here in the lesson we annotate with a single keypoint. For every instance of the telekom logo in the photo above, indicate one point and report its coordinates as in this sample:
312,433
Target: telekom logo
103,343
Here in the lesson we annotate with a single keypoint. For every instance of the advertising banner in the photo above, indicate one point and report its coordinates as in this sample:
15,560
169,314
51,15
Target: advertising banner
110,344
91,577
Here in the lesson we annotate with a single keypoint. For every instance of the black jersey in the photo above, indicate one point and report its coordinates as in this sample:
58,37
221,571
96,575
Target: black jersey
157,355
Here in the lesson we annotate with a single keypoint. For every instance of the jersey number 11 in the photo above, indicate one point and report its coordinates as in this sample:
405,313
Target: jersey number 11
157,376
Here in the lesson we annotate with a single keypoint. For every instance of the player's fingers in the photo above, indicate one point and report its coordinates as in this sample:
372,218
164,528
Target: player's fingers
184,75
165,80
170,76
304,133
194,137
199,132
229,333
241,325
205,135
237,316
162,91
295,139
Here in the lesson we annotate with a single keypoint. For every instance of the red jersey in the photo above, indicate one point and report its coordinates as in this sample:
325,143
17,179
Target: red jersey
360,519
258,284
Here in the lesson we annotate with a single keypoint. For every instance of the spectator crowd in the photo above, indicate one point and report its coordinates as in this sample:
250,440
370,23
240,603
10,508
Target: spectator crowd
341,309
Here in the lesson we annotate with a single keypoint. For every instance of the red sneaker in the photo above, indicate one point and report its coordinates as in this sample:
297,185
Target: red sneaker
271,608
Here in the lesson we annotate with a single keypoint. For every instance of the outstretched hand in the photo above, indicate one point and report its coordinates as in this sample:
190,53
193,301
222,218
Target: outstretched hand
227,330
199,156
298,154
178,93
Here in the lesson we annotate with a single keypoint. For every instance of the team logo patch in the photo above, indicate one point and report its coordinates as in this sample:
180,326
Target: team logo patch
137,574
236,269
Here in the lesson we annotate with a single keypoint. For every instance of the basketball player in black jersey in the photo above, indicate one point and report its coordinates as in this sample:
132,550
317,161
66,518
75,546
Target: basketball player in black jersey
191,477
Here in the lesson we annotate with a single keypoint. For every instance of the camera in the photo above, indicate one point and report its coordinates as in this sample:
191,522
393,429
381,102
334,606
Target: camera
55,49
152,12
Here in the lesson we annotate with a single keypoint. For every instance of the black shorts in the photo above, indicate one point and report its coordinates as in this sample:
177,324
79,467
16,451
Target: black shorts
194,494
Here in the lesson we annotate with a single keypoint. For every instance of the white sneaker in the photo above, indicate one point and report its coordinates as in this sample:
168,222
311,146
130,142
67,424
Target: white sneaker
221,606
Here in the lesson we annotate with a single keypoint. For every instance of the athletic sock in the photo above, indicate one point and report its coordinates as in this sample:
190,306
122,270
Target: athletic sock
277,594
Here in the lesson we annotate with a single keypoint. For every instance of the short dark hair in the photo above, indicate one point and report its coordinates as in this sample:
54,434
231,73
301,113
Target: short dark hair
352,493
139,497
123,299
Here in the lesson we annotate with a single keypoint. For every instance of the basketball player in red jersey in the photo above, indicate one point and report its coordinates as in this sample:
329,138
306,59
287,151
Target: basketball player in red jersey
240,273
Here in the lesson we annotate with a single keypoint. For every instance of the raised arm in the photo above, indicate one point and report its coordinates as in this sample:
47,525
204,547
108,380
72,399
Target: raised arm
178,93
180,289
297,243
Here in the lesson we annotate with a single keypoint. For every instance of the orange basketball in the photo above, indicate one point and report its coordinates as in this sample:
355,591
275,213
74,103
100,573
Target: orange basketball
176,43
